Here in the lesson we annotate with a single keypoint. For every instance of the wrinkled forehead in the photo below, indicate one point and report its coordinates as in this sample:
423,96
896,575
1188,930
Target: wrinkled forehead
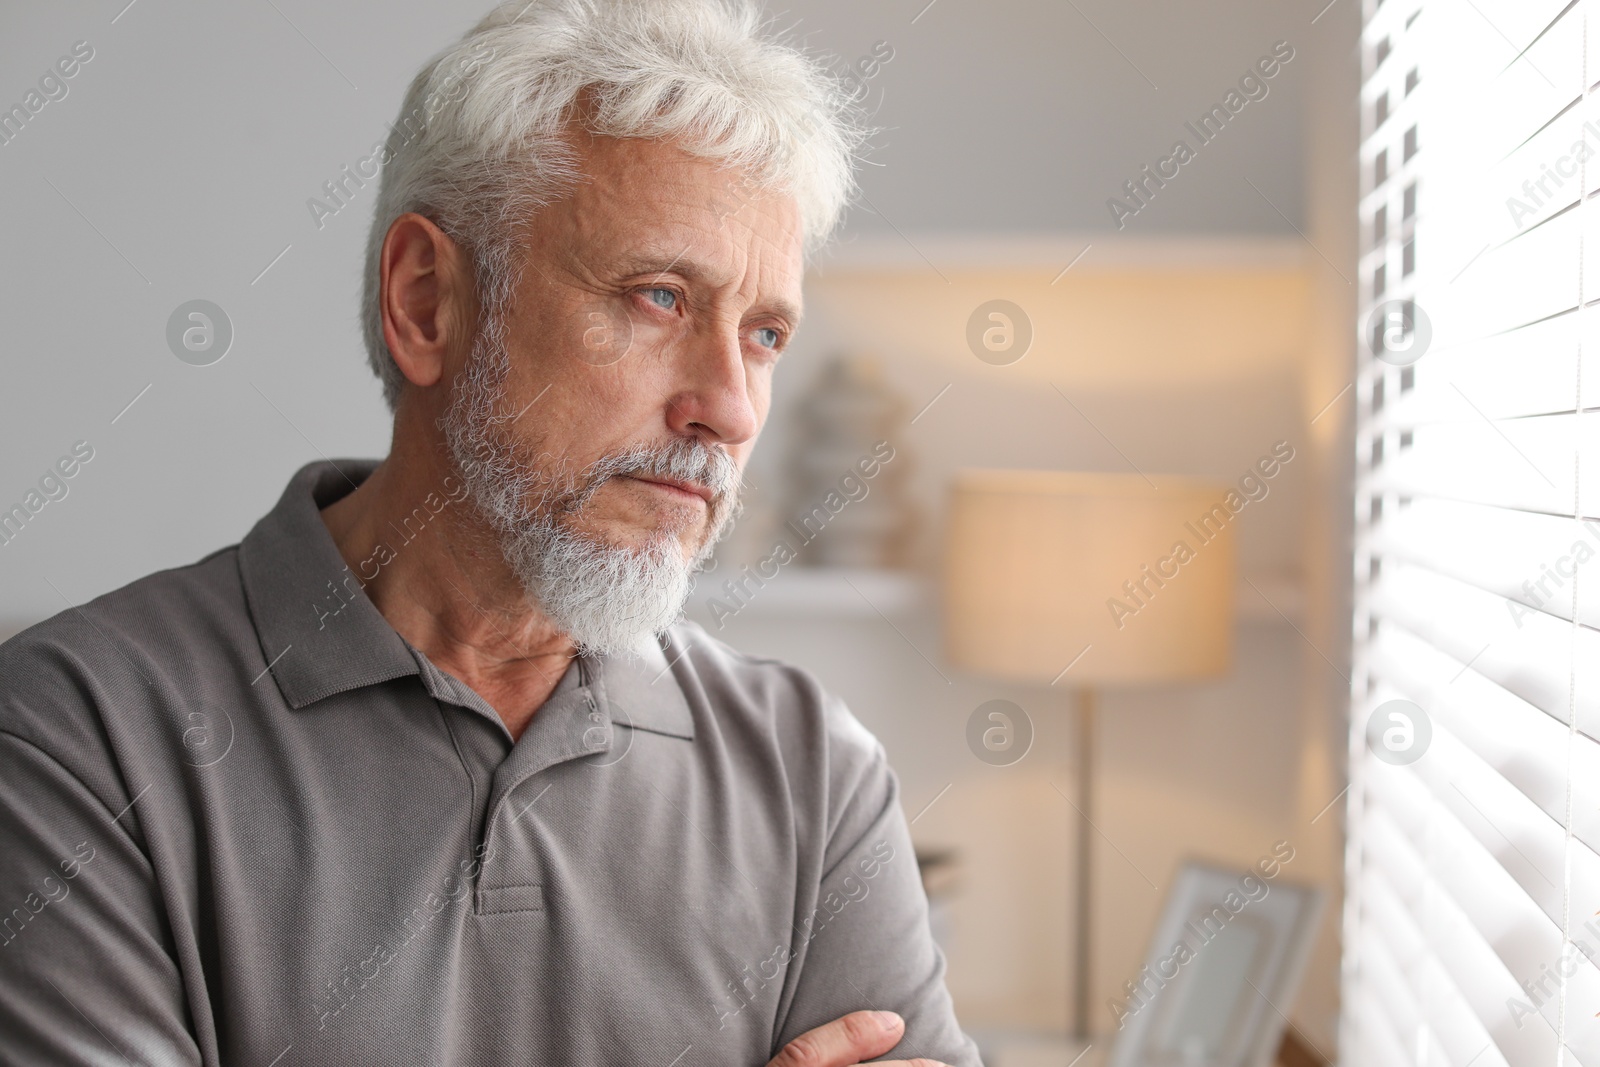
641,206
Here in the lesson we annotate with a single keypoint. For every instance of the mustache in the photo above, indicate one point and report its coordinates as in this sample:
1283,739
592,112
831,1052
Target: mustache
685,459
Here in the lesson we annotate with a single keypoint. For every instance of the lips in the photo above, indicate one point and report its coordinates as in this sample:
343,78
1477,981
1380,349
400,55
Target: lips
678,488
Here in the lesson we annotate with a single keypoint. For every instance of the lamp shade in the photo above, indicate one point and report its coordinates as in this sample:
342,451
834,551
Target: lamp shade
1041,566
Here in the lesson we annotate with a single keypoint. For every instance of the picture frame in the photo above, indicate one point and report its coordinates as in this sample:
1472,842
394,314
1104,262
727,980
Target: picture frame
1221,972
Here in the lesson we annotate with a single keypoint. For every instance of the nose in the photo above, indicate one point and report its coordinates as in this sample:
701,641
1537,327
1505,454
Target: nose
714,395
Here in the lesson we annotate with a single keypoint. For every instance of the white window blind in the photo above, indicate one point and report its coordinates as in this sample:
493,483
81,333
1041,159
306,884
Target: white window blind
1472,916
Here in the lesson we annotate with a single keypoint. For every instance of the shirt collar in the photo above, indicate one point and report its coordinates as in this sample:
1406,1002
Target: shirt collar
321,635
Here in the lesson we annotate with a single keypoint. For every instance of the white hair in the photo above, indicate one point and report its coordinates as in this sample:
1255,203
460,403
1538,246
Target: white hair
479,148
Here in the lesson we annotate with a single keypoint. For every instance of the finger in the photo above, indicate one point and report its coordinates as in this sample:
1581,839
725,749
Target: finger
844,1042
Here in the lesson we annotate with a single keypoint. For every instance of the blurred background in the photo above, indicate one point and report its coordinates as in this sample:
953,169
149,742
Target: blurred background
1184,335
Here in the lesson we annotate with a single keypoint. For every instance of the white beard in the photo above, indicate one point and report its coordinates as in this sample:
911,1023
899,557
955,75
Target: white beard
607,598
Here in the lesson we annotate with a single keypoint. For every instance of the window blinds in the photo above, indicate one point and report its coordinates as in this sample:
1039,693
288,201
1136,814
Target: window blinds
1472,916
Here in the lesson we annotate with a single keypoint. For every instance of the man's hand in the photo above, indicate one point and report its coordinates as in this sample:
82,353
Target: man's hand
847,1041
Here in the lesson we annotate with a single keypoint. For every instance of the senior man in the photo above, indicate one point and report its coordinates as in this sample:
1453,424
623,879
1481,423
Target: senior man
426,769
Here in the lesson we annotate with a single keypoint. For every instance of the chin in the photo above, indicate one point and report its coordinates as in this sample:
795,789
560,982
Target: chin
621,534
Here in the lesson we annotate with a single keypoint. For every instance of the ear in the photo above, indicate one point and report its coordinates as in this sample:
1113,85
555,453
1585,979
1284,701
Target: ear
428,301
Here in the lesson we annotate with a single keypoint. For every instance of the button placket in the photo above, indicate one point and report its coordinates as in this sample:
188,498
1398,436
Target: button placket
595,736
493,896
576,726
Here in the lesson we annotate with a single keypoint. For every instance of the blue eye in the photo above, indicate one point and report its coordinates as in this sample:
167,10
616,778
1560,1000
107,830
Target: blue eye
662,298
767,337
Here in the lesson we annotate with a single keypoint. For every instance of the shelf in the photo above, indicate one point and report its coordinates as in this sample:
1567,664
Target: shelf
821,593
812,593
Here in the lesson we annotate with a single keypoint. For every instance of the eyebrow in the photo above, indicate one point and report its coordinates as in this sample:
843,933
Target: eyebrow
697,273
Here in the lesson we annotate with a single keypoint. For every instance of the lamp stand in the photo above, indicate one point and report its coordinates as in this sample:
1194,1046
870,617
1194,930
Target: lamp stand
1084,705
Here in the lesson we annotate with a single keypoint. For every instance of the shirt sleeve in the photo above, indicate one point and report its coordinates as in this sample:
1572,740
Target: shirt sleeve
87,975
866,943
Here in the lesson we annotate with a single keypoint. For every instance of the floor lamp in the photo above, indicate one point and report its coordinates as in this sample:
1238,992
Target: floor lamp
1061,578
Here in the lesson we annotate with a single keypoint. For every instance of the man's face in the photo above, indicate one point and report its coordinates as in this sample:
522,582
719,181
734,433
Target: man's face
655,300
638,350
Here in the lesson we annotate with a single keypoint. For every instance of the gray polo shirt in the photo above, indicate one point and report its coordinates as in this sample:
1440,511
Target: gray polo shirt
244,822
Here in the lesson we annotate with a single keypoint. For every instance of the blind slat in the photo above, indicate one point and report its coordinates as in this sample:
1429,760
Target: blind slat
1529,655
1545,356
1530,464
1485,983
1522,743
1447,1011
1503,922
1533,559
1488,298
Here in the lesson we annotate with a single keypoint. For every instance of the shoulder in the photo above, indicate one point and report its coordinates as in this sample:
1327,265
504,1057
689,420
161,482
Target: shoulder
797,742
120,656
771,693
779,720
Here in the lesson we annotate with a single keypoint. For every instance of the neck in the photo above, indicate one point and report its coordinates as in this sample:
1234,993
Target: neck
435,573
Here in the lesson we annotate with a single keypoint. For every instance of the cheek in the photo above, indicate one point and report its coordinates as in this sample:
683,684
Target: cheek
560,330
760,392
607,334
